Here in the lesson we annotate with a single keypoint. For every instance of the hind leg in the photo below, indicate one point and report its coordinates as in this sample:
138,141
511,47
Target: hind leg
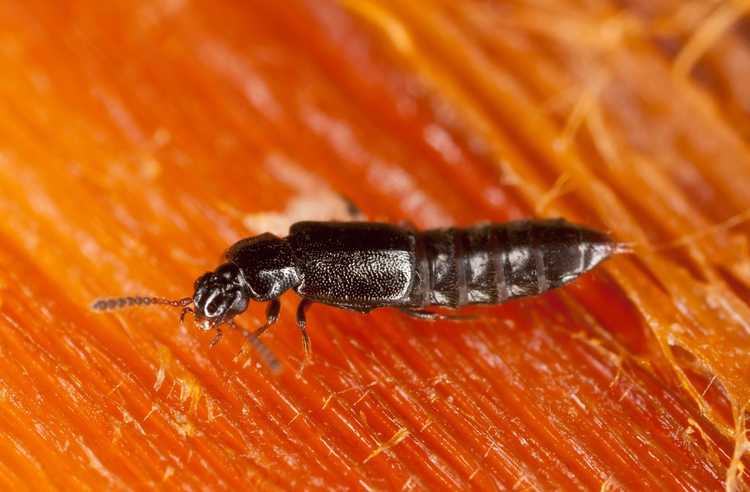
352,209
433,316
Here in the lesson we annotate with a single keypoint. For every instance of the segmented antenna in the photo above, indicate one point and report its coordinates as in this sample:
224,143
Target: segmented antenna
265,353
125,302
131,301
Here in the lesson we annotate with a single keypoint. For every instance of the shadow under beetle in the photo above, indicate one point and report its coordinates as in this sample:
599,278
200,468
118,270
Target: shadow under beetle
368,265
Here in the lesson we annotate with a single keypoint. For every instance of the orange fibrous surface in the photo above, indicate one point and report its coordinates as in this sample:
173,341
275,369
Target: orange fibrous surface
138,140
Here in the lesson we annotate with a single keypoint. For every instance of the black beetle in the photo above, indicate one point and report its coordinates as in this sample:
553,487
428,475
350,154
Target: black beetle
368,265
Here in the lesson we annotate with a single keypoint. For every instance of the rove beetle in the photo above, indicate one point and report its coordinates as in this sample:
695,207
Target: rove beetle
367,265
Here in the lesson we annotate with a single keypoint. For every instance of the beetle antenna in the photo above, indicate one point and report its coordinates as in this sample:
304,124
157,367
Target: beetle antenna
132,301
265,353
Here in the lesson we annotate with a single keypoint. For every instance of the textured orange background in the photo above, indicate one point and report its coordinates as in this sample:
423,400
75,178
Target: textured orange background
139,139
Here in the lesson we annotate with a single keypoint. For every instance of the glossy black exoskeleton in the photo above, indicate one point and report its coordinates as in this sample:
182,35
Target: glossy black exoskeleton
368,265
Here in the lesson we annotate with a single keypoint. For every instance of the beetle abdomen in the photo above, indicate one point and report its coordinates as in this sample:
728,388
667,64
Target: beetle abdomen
492,263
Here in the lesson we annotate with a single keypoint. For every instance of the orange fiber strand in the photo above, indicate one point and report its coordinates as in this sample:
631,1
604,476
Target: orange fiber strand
140,139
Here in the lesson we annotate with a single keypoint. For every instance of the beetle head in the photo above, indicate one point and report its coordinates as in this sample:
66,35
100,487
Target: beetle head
219,296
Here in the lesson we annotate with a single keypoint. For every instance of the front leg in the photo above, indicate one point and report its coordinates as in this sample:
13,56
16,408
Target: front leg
272,314
216,337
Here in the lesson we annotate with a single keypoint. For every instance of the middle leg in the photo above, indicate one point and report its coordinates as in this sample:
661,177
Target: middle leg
301,324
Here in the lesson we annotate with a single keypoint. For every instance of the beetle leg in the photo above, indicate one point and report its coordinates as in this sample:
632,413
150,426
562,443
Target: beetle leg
216,337
272,314
433,316
407,224
184,313
352,210
271,361
301,324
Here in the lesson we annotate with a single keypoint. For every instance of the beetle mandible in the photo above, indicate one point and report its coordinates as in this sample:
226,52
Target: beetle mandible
367,265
